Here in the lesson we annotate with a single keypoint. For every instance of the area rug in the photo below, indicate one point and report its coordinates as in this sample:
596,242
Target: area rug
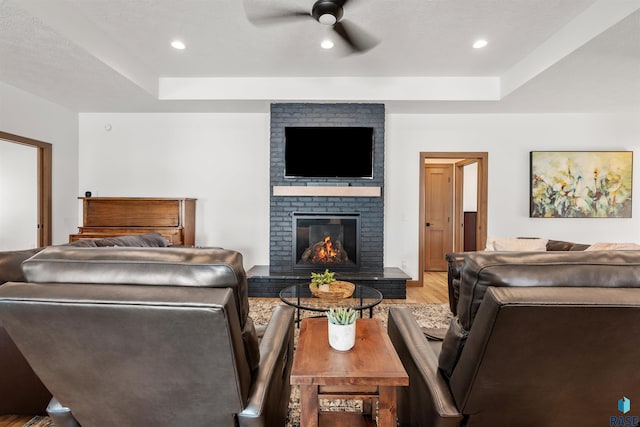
432,316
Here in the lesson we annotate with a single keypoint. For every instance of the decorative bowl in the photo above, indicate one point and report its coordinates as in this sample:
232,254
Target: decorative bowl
336,290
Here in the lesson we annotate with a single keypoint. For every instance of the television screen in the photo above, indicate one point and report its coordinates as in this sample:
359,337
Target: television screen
328,152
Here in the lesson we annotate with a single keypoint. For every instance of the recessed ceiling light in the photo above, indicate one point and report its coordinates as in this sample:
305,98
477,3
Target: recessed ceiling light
479,44
326,44
177,44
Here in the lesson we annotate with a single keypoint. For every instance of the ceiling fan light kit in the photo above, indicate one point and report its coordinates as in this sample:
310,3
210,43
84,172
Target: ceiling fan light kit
327,12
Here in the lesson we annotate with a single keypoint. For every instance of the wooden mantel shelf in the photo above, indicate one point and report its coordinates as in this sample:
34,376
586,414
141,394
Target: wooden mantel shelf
327,191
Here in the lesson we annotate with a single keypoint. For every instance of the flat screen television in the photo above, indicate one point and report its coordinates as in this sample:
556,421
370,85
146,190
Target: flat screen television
328,152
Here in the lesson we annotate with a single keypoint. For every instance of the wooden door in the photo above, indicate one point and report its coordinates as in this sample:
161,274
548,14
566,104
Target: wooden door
438,215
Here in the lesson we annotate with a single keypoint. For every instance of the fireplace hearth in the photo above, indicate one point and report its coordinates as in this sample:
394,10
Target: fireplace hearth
326,240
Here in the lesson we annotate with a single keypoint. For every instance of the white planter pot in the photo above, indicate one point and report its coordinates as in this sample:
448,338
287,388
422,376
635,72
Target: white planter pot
342,337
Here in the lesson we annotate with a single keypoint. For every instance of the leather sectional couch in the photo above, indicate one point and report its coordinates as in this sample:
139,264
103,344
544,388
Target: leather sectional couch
149,336
539,339
22,391
455,261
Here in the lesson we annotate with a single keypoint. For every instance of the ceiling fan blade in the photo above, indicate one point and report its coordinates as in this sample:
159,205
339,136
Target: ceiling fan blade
344,2
357,39
276,17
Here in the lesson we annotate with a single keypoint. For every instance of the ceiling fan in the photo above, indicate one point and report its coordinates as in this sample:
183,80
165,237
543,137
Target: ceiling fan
327,12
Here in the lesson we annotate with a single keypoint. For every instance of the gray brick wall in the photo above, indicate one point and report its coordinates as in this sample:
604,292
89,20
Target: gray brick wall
371,209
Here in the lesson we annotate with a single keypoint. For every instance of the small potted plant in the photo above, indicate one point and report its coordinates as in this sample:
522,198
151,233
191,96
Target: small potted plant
321,281
342,328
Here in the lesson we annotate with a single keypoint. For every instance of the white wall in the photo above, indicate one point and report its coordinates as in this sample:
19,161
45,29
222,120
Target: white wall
470,188
220,159
18,181
30,116
508,139
223,161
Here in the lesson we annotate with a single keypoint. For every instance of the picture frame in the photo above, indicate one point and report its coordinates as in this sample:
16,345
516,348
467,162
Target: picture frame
580,184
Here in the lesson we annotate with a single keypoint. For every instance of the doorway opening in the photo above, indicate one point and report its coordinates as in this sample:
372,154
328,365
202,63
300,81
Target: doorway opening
44,186
442,206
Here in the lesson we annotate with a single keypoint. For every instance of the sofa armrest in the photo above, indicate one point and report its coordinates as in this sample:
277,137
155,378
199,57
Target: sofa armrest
270,393
455,262
427,401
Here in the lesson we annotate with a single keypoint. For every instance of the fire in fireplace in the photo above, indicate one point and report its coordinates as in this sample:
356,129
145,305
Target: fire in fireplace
326,252
326,240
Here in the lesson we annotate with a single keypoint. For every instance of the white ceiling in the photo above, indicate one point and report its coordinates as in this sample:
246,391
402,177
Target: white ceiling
115,55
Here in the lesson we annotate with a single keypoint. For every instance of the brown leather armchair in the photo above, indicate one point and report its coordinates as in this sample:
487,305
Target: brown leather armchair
21,391
540,339
153,336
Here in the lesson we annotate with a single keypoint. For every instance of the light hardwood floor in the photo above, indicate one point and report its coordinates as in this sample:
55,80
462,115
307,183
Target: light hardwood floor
13,420
434,291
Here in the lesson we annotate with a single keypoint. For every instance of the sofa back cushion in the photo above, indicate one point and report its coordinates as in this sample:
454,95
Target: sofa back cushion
11,261
142,266
11,264
609,269
169,266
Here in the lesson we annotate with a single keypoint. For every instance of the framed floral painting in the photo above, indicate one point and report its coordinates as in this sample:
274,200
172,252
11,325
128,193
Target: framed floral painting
581,184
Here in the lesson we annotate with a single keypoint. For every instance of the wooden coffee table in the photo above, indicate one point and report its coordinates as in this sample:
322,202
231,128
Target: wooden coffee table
370,372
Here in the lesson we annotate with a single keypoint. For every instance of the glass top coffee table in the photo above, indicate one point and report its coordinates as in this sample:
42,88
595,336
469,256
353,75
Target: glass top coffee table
299,296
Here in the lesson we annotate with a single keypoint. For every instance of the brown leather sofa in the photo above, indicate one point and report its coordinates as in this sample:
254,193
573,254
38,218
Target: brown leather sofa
22,391
540,339
130,336
455,260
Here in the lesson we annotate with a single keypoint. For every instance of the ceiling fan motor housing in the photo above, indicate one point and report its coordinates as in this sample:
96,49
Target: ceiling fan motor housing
326,12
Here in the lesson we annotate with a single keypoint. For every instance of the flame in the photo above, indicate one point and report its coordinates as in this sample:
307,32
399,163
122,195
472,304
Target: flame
326,252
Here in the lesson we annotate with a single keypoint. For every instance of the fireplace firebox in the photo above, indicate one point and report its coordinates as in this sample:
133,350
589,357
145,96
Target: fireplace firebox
326,240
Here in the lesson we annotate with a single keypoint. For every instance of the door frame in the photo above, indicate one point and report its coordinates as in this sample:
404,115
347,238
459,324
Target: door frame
463,159
44,179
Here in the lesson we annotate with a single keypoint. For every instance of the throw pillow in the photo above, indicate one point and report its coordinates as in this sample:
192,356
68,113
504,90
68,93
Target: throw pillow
613,247
520,245
150,240
490,246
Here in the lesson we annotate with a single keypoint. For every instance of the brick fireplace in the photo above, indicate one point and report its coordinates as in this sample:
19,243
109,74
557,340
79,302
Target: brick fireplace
330,199
282,208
